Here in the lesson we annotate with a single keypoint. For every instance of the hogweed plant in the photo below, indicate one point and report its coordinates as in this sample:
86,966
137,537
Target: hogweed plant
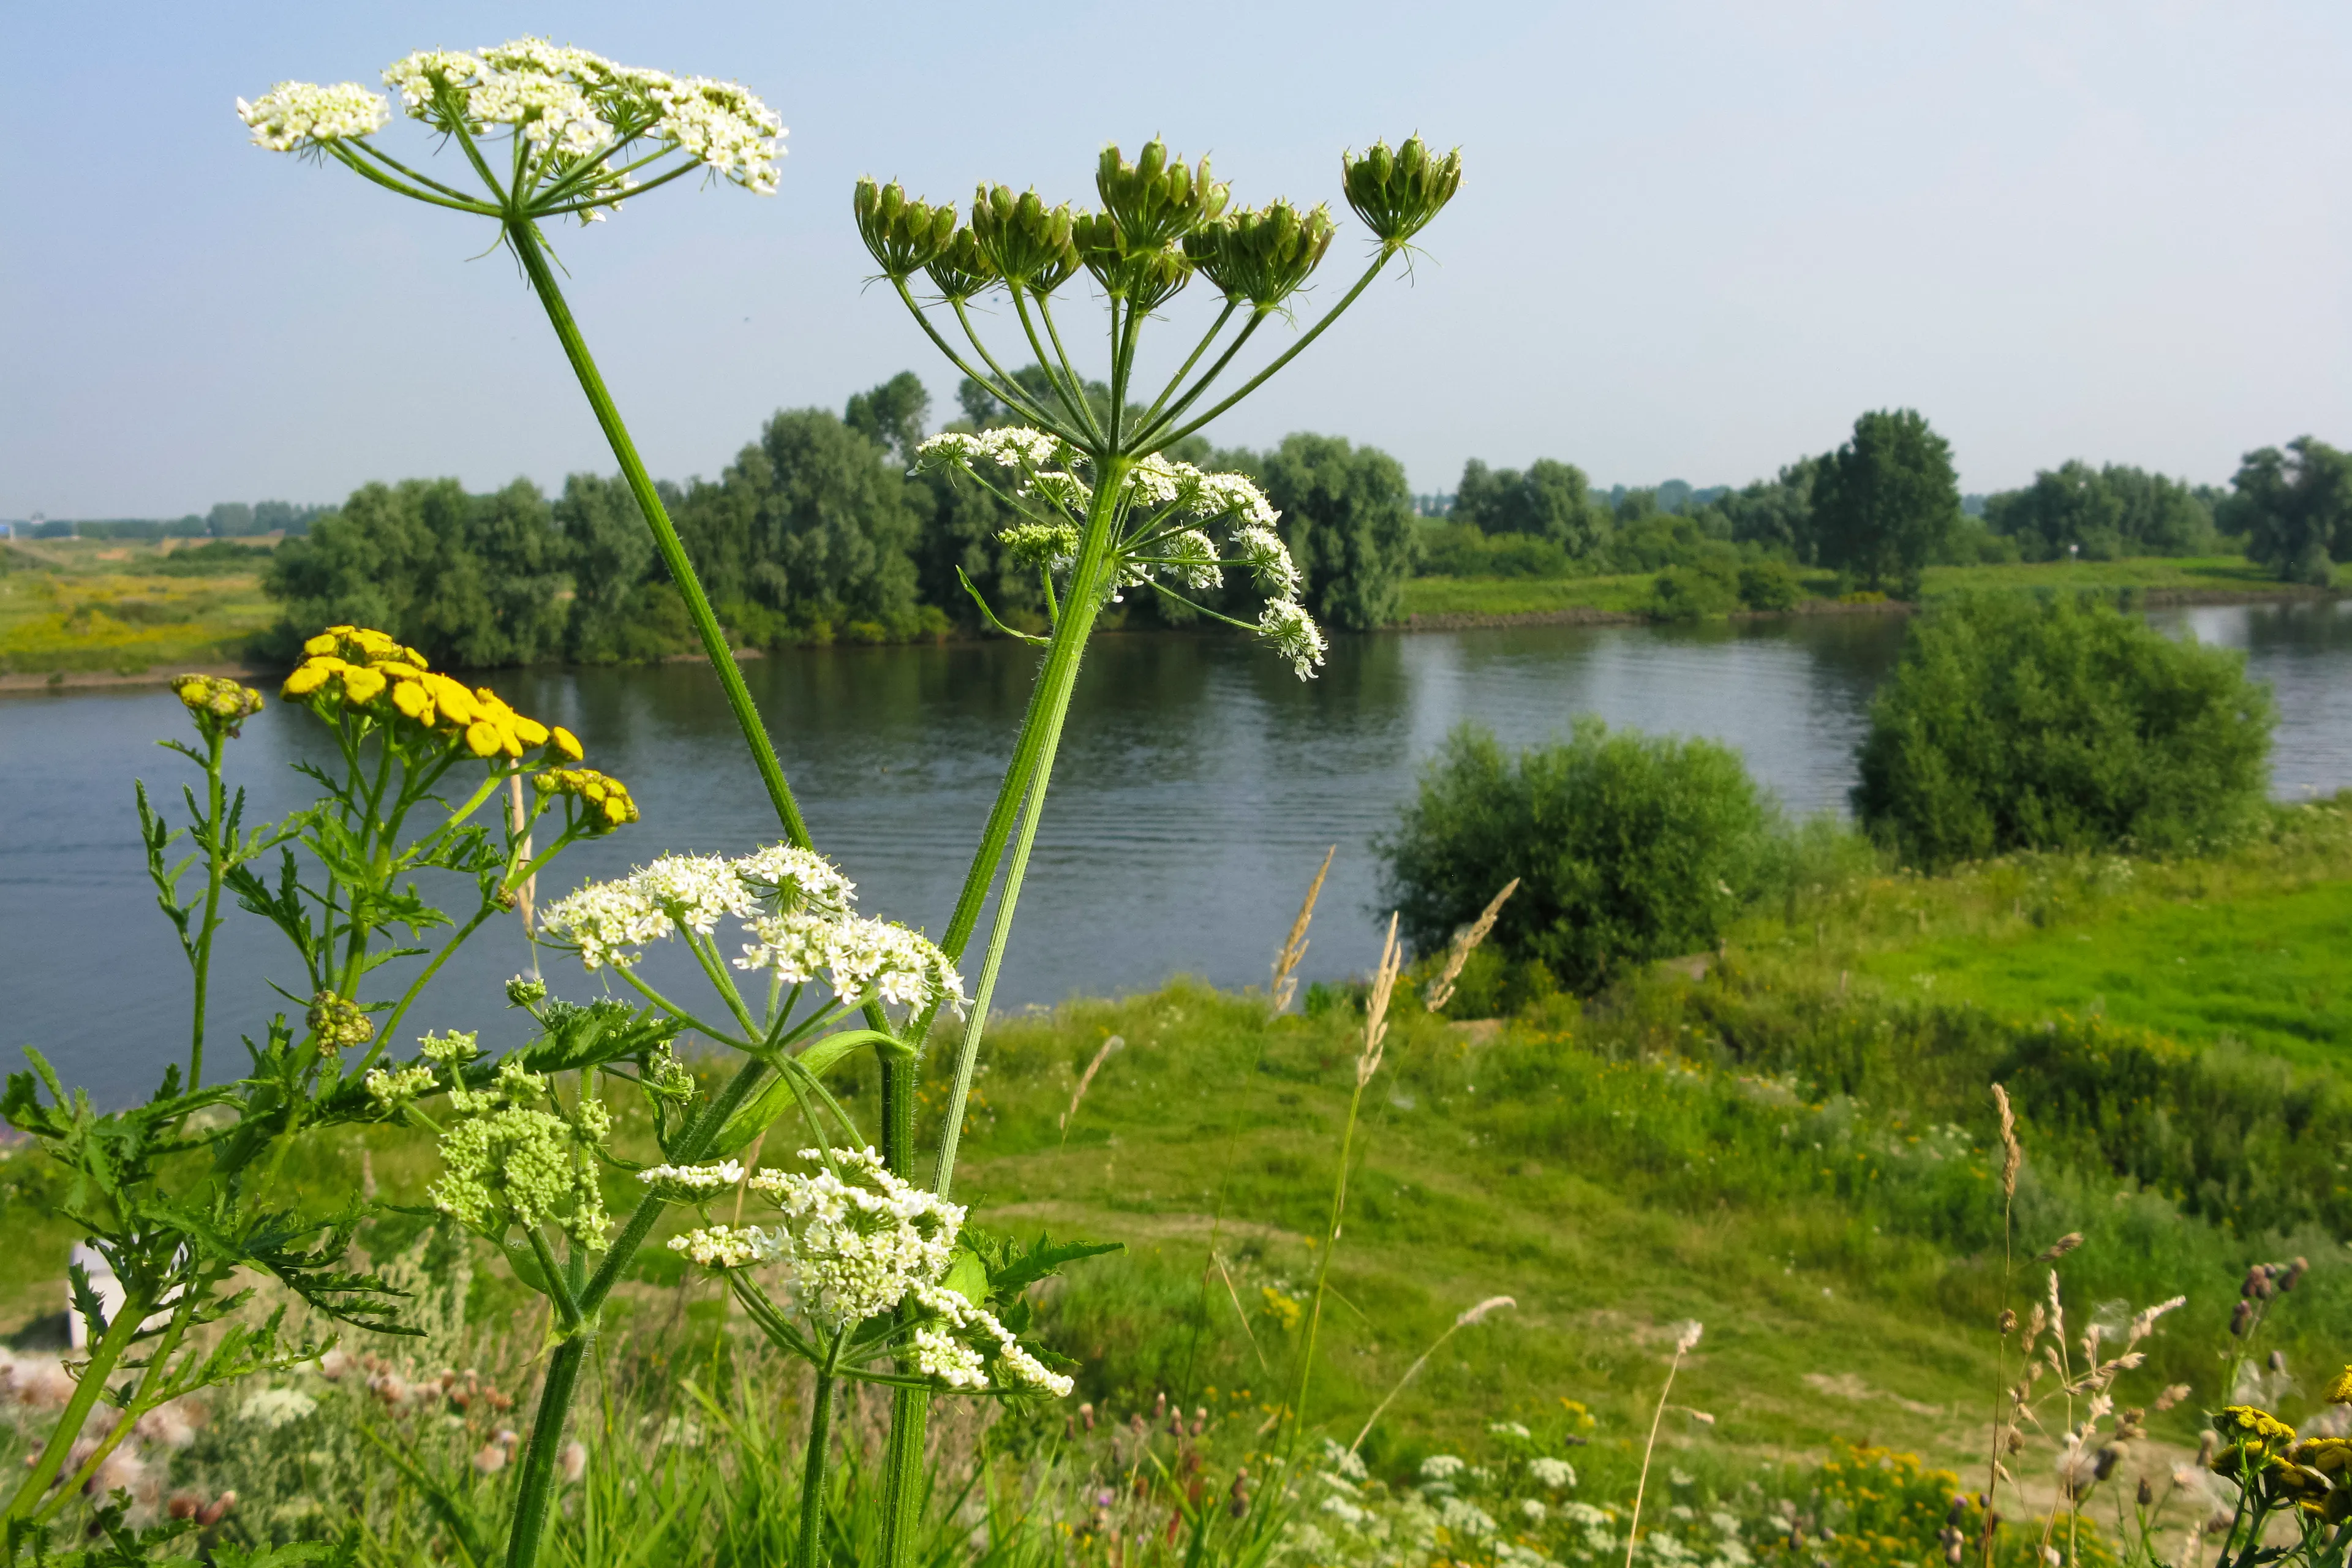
546,133
179,1195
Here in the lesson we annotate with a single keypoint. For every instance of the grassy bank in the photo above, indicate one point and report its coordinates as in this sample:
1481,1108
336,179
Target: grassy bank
1448,600
122,607
1791,1141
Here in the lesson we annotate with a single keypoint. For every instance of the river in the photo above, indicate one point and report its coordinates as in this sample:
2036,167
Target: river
1198,786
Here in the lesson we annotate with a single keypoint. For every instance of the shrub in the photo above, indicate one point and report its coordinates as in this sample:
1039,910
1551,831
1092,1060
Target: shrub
1701,590
2017,724
1769,585
1628,846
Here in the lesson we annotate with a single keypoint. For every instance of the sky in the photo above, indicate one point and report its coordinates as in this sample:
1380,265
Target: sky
1695,240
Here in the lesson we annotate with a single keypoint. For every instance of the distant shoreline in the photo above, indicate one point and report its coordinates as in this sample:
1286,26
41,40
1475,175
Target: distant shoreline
38,684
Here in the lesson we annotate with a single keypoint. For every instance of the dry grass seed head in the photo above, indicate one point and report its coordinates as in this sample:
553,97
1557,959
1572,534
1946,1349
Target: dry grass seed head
1294,946
1465,942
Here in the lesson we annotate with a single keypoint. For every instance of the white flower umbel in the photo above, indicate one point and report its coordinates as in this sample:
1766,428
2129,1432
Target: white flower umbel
856,957
724,1246
1268,560
1193,559
856,1242
590,131
296,114
1010,1363
1294,633
691,1184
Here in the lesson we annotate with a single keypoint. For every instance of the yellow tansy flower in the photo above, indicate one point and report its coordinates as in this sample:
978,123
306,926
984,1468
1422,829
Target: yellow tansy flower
569,744
410,698
482,738
363,685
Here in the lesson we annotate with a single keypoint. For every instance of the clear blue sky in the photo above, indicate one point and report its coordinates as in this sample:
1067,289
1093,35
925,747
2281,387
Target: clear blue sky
1695,239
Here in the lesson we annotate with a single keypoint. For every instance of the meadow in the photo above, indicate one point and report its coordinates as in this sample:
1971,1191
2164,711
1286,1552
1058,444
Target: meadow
123,608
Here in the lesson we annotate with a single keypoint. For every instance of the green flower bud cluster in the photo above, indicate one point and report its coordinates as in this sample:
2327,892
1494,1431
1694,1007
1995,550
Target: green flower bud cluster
217,701
513,1164
1154,202
963,270
337,1025
1262,256
1028,243
903,235
526,992
1147,278
1396,193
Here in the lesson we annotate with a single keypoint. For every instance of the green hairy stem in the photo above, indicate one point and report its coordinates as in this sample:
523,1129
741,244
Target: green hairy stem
216,868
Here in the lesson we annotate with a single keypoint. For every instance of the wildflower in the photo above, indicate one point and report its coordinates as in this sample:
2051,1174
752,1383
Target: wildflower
857,956
453,1049
1294,633
297,114
1552,1473
215,700
2340,1388
1397,194
394,1089
337,1023
513,1164
855,1243
1442,1467
607,799
723,1246
526,992
1049,546
691,1184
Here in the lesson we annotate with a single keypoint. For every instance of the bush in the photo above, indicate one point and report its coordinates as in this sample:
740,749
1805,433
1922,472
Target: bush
1769,585
2017,724
1705,589
1628,847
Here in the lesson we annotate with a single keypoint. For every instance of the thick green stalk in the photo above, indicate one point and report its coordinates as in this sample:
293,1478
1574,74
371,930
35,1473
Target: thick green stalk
1024,778
812,1536
1055,683
673,550
216,867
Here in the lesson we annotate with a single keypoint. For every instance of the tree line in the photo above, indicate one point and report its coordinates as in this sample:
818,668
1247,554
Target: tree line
1887,504
817,532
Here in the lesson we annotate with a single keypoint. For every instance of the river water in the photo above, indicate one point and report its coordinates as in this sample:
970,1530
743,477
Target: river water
1198,786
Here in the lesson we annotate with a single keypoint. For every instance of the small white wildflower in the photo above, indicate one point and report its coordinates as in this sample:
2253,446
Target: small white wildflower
1233,496
1345,1462
1066,490
1508,1429
1534,1511
453,1049
1268,560
724,1246
691,1184
1195,559
1294,633
1552,1473
1465,1518
297,114
1442,1467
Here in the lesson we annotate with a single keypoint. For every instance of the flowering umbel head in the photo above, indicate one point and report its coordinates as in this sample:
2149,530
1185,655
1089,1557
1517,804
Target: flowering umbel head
587,130
1397,194
904,235
961,269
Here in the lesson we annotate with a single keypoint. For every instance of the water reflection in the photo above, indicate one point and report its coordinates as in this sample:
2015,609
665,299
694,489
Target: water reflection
1197,789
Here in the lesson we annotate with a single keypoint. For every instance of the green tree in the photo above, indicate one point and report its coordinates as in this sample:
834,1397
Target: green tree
1775,515
894,415
808,533
2295,508
2011,723
470,581
1347,518
1627,847
2100,514
624,610
1549,501
1885,503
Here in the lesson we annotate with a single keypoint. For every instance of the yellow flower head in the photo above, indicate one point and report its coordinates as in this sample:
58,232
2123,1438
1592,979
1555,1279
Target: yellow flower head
2331,1456
2340,1388
216,700
2251,1440
374,674
568,743
605,798
363,685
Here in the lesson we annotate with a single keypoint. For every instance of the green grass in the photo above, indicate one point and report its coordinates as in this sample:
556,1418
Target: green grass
2217,577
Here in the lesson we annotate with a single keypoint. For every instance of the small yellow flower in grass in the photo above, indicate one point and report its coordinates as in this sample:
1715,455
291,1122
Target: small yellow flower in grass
2340,1388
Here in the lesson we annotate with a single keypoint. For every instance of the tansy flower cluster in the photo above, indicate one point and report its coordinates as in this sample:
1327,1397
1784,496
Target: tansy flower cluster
216,700
857,1242
368,672
1160,538
795,905
606,797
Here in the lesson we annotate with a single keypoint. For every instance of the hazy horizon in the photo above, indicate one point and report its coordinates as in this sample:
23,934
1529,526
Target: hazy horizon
1695,240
